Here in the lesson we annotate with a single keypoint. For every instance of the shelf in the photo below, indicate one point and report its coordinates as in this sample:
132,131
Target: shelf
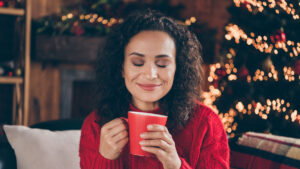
10,80
12,11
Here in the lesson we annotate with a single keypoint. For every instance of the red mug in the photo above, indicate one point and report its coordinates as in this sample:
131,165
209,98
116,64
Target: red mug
138,122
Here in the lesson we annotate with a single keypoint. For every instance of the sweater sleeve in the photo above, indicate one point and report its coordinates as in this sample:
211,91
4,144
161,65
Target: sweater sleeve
184,164
90,158
214,151
210,148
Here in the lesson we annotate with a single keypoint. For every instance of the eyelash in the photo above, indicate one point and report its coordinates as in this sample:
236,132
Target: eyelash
139,65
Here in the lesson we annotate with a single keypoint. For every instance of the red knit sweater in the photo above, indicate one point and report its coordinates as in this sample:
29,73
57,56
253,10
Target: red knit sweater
202,144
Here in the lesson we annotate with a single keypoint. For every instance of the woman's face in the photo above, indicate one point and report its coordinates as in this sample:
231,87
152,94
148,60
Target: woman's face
149,66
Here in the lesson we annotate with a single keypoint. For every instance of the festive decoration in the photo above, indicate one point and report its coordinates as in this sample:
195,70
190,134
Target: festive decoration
297,67
1,3
250,5
7,68
77,29
10,74
11,3
261,89
245,5
221,72
215,83
243,72
18,72
96,18
278,36
260,43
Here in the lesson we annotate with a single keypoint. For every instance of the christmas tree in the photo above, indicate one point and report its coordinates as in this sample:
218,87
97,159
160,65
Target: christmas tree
255,86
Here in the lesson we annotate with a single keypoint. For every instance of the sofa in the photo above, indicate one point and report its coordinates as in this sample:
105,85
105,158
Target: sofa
41,141
54,145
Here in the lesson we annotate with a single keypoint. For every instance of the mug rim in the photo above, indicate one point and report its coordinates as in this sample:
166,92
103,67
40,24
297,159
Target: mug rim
147,114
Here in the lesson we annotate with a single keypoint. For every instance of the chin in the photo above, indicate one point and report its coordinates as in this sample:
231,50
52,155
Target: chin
150,98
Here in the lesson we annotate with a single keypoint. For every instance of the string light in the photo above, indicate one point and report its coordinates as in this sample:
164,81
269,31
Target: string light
260,6
260,42
189,21
111,21
94,18
70,16
255,108
289,74
259,75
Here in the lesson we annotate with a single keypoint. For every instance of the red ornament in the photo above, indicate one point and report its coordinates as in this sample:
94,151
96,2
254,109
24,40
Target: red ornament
1,3
243,72
278,36
221,72
215,83
296,67
77,30
244,5
254,105
106,25
10,74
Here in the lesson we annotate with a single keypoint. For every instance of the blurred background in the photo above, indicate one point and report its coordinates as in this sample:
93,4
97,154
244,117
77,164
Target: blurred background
251,62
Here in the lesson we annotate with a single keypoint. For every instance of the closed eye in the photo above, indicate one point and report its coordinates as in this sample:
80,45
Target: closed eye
162,63
137,62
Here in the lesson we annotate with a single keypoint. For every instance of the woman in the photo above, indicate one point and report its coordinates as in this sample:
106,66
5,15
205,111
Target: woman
152,64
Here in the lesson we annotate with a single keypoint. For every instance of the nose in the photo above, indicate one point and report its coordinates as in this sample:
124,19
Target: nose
150,71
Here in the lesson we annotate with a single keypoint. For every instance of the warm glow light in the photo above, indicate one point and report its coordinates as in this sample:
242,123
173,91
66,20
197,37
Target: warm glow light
193,19
252,4
70,15
234,32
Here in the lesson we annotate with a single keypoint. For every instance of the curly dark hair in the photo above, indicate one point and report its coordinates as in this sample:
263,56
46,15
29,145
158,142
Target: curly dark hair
113,96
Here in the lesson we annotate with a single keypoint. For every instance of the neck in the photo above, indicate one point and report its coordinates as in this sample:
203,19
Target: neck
145,106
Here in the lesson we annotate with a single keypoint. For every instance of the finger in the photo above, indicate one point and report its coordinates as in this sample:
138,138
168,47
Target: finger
113,123
156,143
120,136
116,130
156,127
122,143
158,135
155,150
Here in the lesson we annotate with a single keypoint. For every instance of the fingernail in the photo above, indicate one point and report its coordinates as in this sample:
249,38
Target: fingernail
142,142
149,126
143,148
142,135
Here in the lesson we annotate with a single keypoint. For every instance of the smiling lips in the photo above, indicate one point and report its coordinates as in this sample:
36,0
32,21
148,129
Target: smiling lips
148,87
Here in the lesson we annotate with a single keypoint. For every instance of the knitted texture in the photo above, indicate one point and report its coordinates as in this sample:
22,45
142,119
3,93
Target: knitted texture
202,144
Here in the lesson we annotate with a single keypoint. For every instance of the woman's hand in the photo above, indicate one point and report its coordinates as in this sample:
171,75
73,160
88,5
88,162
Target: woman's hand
113,138
160,142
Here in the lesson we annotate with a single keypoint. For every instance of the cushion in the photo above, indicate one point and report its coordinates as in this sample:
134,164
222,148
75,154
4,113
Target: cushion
44,149
259,150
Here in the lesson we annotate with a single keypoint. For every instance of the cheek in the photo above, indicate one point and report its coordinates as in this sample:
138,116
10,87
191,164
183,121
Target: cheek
168,76
129,73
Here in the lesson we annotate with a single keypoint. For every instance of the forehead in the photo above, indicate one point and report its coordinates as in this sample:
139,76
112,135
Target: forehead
151,42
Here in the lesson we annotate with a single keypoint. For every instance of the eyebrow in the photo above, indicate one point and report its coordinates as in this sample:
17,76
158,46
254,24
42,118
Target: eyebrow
142,55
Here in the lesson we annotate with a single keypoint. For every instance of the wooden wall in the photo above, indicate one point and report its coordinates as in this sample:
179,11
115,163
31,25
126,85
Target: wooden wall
44,93
45,90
